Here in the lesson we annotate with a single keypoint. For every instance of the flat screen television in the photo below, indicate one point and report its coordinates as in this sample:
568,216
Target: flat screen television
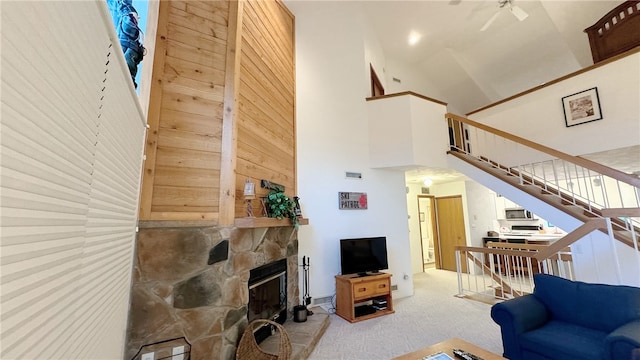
363,255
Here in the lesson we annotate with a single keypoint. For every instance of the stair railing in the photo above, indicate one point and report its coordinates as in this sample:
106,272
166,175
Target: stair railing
573,179
505,270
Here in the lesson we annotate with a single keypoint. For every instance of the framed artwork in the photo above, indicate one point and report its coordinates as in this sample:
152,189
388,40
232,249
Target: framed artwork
582,107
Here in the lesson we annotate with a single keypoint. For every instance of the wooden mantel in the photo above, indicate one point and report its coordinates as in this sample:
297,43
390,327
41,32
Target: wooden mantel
265,222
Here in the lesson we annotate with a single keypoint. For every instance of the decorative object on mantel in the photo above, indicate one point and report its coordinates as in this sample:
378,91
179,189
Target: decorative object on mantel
281,206
352,201
266,184
263,201
582,107
249,194
296,208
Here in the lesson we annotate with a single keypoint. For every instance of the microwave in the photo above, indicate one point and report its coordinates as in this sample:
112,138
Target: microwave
518,214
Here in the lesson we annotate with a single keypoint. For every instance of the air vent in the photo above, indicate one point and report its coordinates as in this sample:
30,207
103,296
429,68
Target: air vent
353,175
425,190
322,300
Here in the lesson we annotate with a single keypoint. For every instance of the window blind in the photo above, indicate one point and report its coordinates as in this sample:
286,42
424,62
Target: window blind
71,144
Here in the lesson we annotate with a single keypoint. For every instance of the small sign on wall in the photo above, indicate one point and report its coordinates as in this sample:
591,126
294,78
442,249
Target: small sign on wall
352,201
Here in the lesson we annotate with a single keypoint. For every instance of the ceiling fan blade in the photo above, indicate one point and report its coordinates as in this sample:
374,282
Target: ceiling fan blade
491,20
518,12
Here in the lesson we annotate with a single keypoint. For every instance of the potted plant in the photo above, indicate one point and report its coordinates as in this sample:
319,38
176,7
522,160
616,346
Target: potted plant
281,206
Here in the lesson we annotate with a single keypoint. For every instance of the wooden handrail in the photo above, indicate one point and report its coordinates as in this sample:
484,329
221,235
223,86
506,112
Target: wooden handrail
597,167
570,238
558,80
404,93
617,212
533,247
543,252
495,251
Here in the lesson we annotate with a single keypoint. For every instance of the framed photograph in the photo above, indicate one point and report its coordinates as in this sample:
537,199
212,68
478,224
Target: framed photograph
582,107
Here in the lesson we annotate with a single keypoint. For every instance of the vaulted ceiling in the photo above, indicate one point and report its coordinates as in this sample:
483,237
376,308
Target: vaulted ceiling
469,68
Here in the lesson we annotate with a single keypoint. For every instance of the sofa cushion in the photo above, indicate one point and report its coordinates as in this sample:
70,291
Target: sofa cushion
596,306
560,340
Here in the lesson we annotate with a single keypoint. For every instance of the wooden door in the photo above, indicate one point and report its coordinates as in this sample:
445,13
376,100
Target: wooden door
450,222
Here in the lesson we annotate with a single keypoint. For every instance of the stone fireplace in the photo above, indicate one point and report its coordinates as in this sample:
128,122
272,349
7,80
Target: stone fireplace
193,281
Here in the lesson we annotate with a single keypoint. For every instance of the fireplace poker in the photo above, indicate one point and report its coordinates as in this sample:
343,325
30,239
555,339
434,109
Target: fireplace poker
305,270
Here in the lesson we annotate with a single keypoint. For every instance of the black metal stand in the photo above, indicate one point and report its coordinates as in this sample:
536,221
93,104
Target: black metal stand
305,271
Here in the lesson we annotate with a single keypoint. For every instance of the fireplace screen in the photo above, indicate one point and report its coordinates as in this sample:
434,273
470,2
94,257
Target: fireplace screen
268,292
267,297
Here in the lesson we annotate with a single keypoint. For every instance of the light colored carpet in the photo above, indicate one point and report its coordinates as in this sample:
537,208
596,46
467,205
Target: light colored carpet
433,314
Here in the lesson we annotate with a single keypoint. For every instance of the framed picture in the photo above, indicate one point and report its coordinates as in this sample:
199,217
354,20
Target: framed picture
582,107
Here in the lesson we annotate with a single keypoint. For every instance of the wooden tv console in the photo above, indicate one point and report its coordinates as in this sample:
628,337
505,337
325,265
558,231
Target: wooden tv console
354,293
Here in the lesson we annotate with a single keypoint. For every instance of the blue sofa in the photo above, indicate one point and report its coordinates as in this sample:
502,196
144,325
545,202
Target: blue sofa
568,320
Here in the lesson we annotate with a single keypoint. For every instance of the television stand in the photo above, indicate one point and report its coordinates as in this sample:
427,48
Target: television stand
360,298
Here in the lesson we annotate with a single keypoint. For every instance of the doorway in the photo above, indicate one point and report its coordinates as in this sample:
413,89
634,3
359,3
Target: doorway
428,233
451,232
376,86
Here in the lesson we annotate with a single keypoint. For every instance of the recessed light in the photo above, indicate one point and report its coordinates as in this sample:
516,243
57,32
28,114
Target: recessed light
414,38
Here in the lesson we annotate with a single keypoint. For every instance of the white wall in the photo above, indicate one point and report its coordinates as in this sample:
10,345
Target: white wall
481,211
407,131
373,56
332,76
539,117
412,78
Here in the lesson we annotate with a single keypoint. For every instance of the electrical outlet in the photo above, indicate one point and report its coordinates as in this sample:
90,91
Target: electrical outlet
177,353
148,356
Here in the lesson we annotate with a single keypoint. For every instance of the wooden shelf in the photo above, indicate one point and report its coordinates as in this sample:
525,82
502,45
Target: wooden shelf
265,222
352,290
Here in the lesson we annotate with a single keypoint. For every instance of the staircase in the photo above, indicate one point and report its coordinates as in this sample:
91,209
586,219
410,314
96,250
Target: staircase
588,199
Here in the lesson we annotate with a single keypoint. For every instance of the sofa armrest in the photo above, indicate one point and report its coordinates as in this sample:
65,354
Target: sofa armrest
517,316
523,313
624,342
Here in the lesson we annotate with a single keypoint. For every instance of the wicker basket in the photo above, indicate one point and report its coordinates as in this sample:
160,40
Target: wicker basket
248,348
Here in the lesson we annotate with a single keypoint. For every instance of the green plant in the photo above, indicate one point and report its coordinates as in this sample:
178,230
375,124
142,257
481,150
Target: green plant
281,206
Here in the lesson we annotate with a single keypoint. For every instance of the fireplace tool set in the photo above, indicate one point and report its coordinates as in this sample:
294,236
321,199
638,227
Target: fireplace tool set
301,312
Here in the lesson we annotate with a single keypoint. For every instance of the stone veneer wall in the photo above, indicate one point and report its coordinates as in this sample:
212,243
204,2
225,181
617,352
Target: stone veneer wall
192,282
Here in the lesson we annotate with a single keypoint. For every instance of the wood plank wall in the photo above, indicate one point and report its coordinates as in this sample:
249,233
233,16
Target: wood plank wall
182,177
266,100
